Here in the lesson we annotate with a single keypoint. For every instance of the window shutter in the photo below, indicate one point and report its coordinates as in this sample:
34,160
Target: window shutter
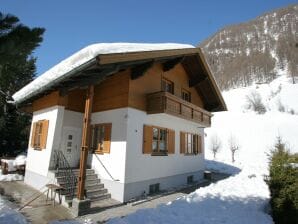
182,142
147,139
107,138
199,144
44,134
33,134
171,141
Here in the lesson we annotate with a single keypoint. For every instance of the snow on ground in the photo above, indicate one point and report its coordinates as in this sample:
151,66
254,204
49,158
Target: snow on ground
10,177
7,212
242,198
86,54
9,215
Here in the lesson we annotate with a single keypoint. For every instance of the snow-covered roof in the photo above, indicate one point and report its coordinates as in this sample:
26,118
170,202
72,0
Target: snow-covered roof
82,57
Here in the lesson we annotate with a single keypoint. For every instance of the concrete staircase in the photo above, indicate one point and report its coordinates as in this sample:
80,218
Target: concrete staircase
95,190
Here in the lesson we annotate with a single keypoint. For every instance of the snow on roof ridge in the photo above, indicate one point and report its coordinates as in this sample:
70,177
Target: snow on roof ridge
85,55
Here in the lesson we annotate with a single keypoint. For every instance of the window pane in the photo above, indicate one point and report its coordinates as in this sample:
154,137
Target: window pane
162,145
163,134
155,134
189,143
195,143
95,138
154,145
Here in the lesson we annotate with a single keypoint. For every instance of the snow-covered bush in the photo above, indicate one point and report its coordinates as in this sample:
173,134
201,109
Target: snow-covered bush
254,102
283,184
215,144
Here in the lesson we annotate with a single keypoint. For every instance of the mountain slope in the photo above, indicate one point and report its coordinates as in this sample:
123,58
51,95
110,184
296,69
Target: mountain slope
254,52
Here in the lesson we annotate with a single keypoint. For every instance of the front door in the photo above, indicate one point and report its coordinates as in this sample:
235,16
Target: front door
70,145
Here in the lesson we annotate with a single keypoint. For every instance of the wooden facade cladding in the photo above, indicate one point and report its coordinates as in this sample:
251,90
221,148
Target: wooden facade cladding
112,93
143,93
163,102
151,83
73,101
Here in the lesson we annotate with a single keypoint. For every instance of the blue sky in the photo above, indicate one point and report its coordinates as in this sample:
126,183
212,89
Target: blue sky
71,24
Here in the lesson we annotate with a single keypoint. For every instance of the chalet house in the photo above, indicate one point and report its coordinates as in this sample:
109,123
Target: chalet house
123,119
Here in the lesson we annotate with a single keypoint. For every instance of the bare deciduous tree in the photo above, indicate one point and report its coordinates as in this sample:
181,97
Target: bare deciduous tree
215,144
234,146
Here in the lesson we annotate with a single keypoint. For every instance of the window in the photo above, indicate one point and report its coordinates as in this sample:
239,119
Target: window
190,179
158,141
186,95
101,138
190,143
153,188
167,86
39,134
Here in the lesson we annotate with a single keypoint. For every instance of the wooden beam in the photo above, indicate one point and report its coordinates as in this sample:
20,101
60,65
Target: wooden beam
197,80
85,141
141,69
168,65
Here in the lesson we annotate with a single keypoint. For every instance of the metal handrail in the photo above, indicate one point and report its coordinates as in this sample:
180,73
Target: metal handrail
105,168
65,171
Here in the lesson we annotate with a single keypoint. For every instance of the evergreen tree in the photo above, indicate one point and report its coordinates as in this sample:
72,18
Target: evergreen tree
17,68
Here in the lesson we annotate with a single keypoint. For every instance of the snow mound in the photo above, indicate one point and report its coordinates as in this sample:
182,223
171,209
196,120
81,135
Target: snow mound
10,177
238,199
86,54
20,160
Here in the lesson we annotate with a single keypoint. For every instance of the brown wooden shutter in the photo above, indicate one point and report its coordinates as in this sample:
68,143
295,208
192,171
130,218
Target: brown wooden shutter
171,141
107,138
199,144
33,134
147,139
182,142
44,134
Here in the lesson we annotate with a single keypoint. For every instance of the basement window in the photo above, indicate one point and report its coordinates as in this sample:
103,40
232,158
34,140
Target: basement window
154,188
190,179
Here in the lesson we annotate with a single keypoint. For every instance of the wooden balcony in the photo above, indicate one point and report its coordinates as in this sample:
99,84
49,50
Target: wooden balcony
163,102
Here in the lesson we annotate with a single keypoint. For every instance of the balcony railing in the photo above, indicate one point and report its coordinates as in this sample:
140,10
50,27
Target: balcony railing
163,102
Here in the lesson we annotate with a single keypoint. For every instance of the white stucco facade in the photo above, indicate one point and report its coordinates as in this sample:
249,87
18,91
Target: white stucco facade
126,172
38,161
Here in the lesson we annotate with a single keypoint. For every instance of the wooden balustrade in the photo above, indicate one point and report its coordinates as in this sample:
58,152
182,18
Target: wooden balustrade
163,102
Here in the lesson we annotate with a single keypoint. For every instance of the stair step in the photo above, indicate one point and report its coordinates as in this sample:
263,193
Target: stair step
89,188
95,190
88,177
88,182
75,172
92,193
100,197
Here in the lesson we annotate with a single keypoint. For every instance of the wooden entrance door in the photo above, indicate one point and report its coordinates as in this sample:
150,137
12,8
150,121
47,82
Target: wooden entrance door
70,146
